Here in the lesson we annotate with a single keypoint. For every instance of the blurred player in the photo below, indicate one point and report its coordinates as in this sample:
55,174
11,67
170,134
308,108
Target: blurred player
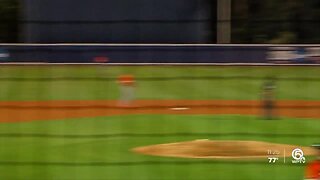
127,88
268,99
101,61
313,168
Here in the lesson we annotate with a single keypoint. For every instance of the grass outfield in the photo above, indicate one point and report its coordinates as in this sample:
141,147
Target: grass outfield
195,86
99,148
108,156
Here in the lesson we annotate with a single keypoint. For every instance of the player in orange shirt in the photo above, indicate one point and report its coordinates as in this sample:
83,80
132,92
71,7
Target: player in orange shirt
313,168
127,88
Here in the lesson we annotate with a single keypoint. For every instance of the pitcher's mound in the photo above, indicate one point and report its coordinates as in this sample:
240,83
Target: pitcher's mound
222,149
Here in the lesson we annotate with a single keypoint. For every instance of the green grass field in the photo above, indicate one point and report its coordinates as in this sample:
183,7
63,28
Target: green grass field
99,148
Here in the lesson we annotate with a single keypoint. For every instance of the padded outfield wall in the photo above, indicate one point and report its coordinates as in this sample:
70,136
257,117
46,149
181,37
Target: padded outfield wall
160,53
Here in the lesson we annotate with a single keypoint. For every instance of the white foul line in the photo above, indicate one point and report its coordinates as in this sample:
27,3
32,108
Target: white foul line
180,108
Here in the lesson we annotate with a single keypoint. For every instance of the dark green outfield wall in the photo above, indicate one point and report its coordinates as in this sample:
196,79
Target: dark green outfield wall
139,21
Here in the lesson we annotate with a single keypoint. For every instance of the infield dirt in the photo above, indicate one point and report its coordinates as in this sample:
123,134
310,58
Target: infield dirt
208,149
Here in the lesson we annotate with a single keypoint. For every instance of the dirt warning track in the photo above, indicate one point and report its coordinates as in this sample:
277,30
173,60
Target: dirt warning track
54,110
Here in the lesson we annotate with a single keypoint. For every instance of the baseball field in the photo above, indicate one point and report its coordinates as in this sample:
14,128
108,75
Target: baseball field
63,122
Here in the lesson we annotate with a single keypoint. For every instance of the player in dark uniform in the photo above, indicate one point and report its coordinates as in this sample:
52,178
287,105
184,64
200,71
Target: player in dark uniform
268,99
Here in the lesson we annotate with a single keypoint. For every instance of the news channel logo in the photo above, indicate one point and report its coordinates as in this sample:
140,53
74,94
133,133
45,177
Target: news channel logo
297,155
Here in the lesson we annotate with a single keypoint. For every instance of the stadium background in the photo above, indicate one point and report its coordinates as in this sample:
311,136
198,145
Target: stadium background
98,146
